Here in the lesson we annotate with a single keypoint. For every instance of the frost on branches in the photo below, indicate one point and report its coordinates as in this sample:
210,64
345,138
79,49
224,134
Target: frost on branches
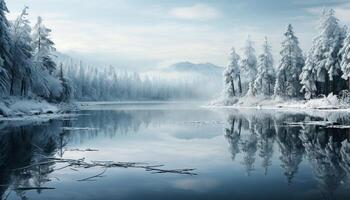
248,65
265,78
233,75
345,63
5,46
290,67
323,60
27,68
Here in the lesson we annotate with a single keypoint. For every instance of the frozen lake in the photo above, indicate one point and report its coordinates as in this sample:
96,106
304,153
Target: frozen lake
236,154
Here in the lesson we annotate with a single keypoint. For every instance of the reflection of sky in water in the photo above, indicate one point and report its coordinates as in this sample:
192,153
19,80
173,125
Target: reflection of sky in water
267,160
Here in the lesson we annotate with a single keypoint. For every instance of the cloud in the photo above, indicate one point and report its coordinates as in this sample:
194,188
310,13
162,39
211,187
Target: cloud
196,12
341,11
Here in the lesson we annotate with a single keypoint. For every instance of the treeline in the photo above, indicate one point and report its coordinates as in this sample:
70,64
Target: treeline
324,70
26,64
108,83
30,67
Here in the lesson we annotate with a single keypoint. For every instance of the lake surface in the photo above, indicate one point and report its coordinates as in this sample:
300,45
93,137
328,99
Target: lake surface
236,154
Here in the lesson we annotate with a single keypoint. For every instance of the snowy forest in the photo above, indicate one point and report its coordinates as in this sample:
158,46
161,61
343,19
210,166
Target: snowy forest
91,83
323,70
31,67
26,64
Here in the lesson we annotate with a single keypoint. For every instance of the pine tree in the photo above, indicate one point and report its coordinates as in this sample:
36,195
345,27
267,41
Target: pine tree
22,51
67,88
47,84
249,64
232,73
3,77
5,46
290,68
265,78
325,54
43,47
308,77
345,63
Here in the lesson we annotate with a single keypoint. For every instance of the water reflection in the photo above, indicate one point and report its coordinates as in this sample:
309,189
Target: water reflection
293,143
23,145
26,143
321,141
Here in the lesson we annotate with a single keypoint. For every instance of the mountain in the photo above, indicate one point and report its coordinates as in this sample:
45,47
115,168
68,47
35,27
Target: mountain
206,69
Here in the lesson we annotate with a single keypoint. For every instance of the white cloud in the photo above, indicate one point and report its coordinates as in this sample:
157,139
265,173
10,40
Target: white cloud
341,11
196,12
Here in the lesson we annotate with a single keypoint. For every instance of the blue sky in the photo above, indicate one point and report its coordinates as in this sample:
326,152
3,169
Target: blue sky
142,34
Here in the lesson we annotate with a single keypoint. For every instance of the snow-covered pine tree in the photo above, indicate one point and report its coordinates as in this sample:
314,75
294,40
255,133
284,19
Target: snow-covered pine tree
290,67
5,46
3,77
43,47
345,63
22,53
325,54
265,79
248,65
46,84
67,88
308,77
231,74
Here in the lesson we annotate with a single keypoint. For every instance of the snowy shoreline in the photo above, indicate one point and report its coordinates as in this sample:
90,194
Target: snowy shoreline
16,109
326,104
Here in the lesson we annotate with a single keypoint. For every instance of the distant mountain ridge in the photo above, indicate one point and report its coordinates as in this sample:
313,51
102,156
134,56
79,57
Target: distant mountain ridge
207,69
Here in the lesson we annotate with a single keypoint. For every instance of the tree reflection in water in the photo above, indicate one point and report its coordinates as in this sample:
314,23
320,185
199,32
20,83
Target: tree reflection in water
256,140
23,144
326,148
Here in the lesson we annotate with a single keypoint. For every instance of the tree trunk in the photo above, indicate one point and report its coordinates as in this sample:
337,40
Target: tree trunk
326,85
11,86
233,88
349,83
22,87
240,127
240,84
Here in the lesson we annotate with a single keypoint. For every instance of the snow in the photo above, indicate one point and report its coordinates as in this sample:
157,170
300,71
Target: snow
79,129
329,103
24,108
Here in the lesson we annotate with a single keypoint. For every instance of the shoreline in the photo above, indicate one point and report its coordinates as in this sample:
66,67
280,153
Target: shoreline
35,109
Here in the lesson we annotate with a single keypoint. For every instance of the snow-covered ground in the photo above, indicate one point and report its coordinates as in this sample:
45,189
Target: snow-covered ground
329,103
25,109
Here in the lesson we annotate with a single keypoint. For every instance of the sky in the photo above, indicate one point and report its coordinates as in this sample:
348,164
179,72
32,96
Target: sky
147,34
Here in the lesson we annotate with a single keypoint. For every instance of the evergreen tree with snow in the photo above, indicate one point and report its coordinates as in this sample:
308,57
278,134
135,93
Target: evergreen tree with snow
22,53
264,81
290,68
232,73
308,77
46,84
67,88
249,64
5,46
345,63
325,55
43,47
3,77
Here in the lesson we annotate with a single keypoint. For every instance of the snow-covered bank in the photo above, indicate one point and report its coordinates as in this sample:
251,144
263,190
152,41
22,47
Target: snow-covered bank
329,103
25,108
